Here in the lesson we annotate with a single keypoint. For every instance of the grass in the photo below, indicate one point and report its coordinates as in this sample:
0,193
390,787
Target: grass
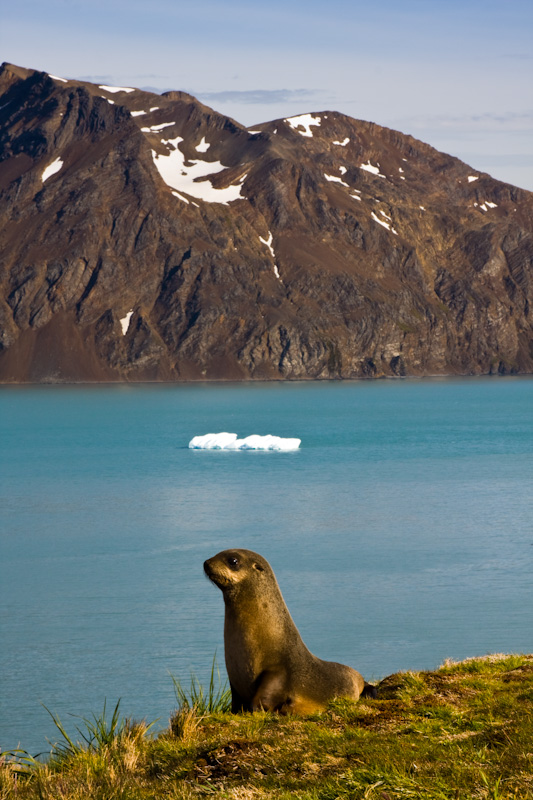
464,731
217,697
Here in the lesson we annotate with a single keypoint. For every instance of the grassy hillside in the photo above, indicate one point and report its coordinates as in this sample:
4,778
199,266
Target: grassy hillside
463,731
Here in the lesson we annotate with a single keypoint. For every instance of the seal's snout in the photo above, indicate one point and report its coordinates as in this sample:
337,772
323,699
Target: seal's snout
207,568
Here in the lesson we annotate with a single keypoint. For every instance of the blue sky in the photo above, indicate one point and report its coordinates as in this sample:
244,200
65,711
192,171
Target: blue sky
457,74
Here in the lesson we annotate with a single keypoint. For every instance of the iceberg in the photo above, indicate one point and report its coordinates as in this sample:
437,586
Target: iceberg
230,441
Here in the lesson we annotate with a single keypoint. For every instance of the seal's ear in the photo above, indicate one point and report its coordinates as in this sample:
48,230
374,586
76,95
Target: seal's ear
258,567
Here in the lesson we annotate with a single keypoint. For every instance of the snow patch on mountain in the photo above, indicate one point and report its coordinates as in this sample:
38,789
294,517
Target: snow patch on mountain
472,178
155,128
55,78
203,147
184,178
336,179
368,167
125,322
485,205
382,222
114,89
51,169
303,121
344,143
268,243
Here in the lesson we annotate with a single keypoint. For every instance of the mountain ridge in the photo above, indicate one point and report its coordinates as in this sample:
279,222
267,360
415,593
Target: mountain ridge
317,246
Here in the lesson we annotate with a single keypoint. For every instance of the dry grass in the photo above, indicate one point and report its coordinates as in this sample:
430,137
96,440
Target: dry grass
462,732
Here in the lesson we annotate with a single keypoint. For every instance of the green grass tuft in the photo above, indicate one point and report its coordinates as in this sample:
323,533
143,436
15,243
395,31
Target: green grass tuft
216,699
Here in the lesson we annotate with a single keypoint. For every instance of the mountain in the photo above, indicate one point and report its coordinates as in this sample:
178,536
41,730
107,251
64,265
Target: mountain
147,237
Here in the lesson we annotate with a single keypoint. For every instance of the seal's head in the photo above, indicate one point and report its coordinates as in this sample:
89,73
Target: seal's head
234,569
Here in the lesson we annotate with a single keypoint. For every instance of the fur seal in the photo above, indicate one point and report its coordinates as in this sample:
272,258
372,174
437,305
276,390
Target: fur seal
269,667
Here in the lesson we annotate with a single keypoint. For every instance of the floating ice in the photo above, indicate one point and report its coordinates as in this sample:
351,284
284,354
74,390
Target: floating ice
178,176
51,169
229,441
303,121
114,89
125,322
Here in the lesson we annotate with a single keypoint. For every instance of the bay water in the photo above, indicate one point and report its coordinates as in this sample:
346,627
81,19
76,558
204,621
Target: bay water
401,532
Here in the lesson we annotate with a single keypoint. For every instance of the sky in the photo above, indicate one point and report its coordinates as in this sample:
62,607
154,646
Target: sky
457,74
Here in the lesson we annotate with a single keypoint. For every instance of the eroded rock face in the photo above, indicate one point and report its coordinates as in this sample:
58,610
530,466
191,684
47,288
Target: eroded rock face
146,237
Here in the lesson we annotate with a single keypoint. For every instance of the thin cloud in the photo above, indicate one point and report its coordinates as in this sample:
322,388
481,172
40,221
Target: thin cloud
258,96
509,121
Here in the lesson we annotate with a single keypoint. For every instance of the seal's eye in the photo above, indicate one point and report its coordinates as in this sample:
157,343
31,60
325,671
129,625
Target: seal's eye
233,562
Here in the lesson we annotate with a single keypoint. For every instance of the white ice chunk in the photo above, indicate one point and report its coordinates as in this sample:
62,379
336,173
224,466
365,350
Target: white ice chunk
203,147
212,441
178,176
55,78
51,169
336,180
344,143
154,128
138,113
371,168
303,121
229,441
472,178
125,322
114,89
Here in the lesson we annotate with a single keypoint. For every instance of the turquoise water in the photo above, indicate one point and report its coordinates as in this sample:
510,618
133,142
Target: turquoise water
401,532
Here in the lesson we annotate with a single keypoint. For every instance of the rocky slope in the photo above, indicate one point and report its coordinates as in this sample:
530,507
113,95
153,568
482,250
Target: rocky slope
147,237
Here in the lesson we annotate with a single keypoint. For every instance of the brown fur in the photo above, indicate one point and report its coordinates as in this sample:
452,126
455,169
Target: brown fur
269,667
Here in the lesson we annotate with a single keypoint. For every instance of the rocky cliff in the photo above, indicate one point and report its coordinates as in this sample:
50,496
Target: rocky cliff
147,237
